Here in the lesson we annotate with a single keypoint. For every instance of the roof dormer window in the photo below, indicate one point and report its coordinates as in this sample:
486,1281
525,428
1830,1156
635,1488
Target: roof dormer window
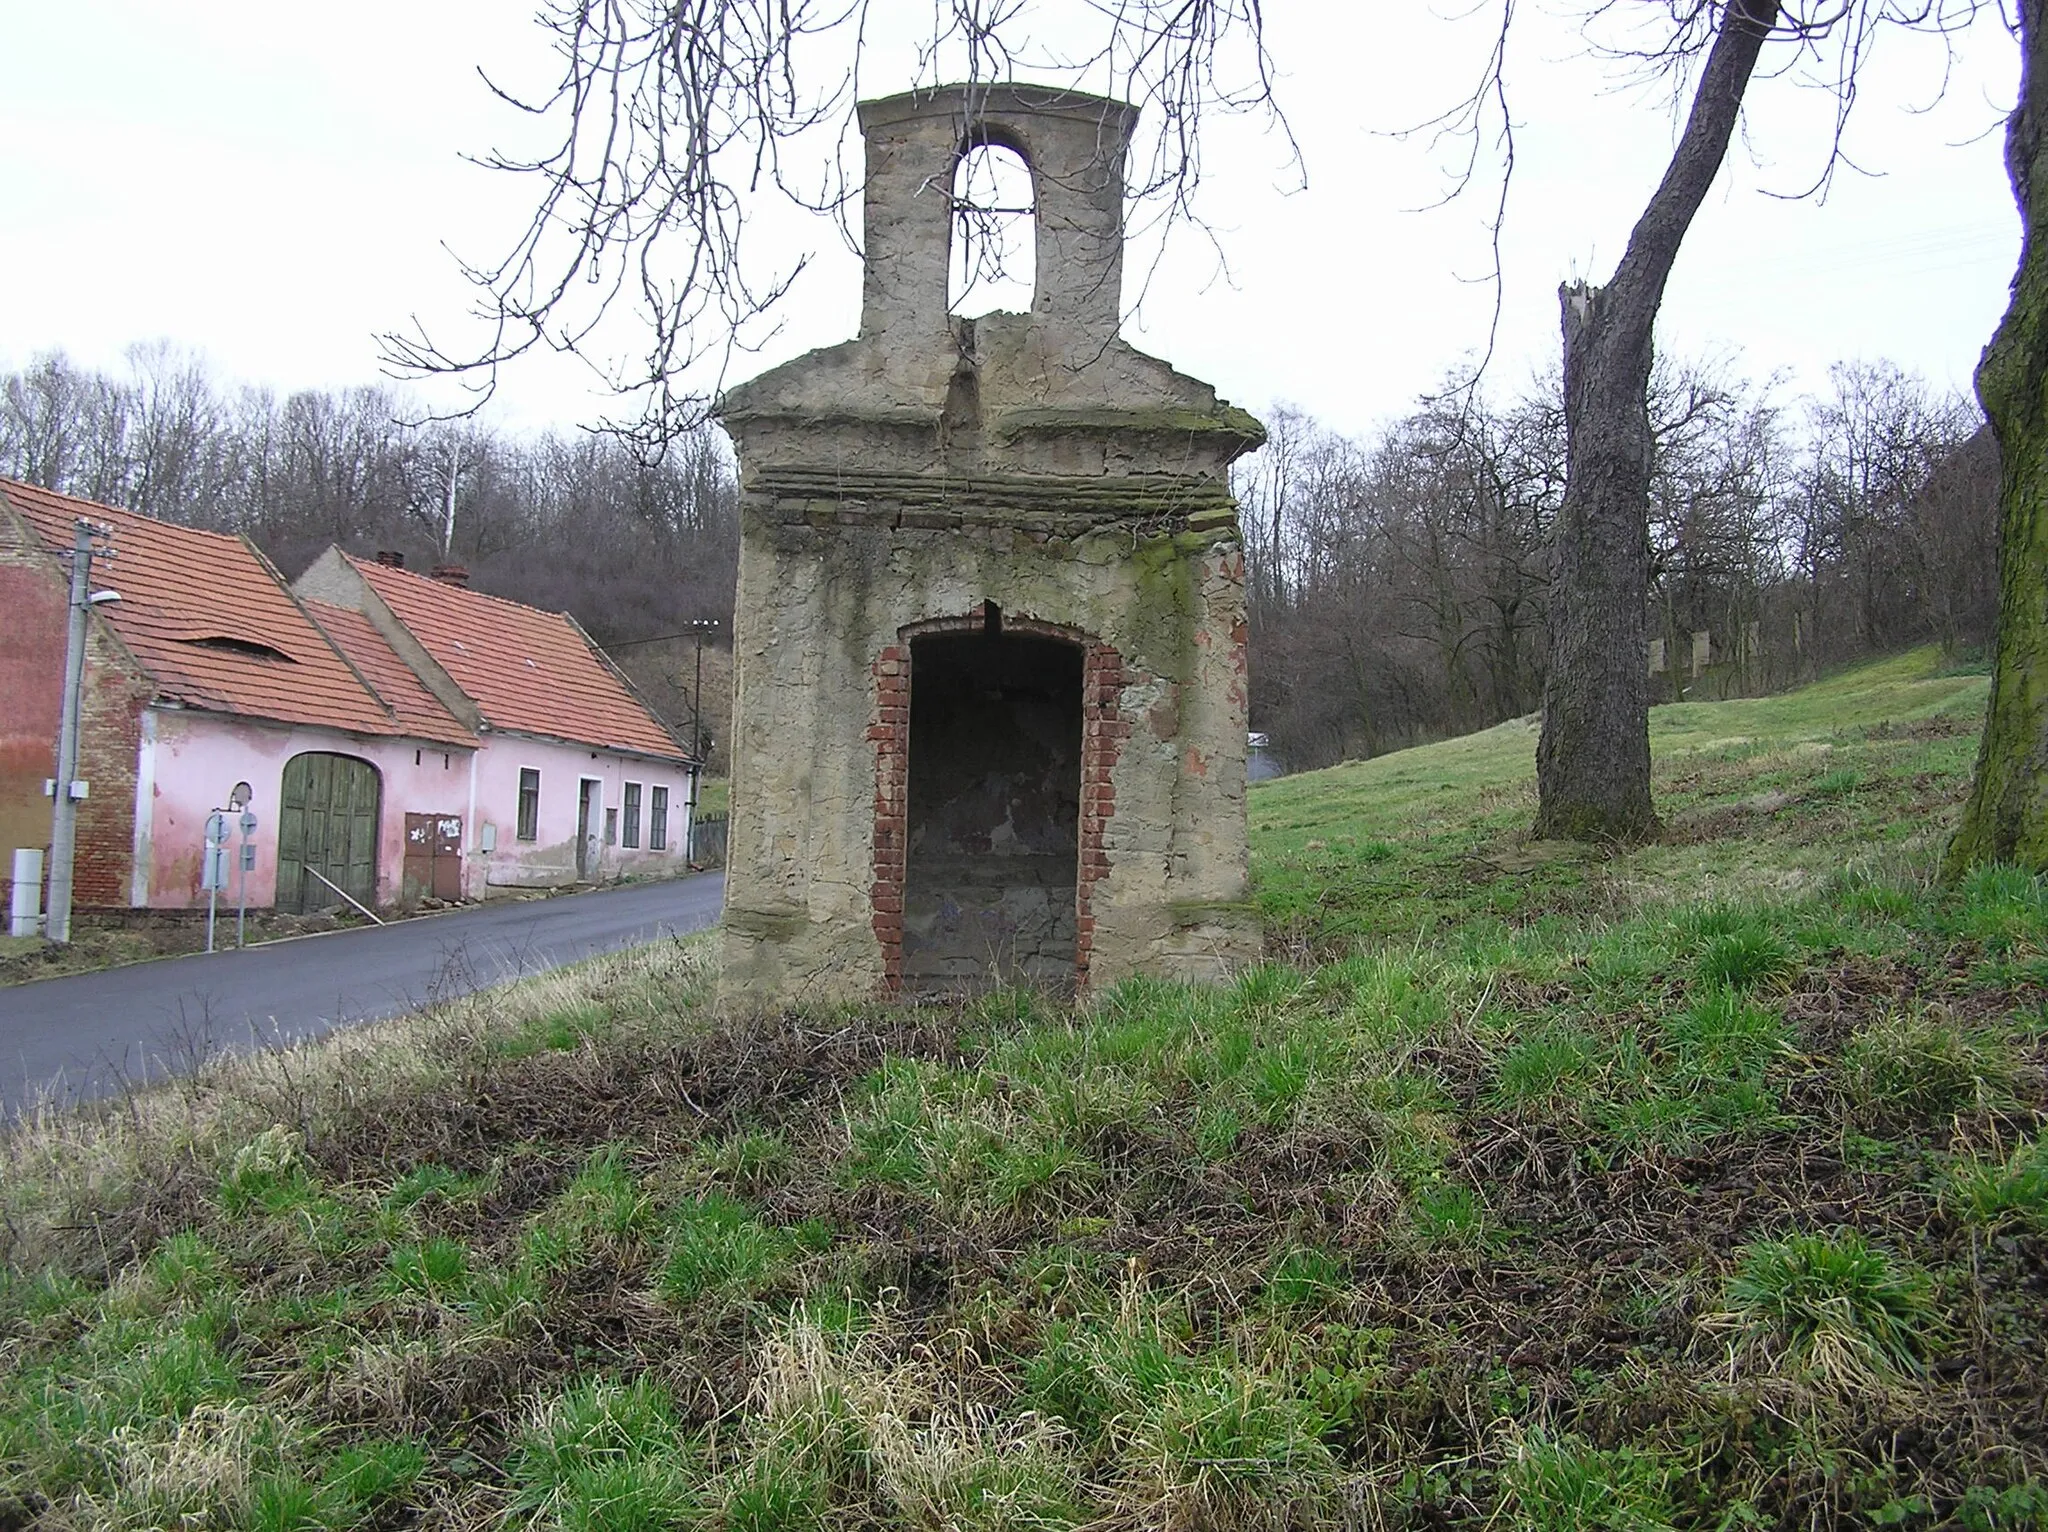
231,643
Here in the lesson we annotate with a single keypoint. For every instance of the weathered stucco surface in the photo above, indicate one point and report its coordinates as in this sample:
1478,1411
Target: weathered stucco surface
1019,474
193,759
549,859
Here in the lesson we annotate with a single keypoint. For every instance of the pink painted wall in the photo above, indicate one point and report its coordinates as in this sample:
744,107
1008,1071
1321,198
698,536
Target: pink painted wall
191,761
550,857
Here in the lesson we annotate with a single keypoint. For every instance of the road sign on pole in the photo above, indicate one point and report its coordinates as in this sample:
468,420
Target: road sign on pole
245,864
214,872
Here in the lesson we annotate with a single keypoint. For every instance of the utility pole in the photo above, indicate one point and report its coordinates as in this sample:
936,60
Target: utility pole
64,816
697,691
697,630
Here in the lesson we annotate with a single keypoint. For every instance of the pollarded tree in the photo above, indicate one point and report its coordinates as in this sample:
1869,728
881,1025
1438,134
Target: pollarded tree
2006,819
1593,755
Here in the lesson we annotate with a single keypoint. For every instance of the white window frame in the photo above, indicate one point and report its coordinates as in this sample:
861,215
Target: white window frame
518,790
632,800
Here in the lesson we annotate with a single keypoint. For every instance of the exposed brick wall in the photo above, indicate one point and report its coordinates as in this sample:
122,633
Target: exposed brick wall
31,680
33,592
1103,731
110,704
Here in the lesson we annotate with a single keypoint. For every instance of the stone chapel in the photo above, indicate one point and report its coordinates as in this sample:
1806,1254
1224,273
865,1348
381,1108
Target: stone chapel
990,723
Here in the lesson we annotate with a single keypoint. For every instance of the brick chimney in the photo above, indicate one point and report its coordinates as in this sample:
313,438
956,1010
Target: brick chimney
391,558
450,574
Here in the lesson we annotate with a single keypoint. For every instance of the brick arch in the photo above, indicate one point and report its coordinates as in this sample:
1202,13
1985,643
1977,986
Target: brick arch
1103,731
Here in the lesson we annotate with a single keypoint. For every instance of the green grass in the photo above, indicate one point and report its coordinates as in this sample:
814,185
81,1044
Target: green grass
1568,1485
605,1457
1700,1185
560,1032
2010,1193
716,1246
1915,1064
1840,1307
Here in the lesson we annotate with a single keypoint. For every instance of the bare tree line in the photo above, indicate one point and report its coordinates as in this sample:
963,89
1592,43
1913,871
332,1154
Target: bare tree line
1399,583
574,522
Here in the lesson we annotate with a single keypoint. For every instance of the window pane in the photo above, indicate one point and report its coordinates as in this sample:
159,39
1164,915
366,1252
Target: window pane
632,826
657,820
529,803
611,827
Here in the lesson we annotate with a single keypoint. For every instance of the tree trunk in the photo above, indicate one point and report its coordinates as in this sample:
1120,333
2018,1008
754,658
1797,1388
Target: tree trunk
1593,757
2006,819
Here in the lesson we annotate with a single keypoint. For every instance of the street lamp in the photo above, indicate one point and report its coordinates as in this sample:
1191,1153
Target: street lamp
697,630
65,789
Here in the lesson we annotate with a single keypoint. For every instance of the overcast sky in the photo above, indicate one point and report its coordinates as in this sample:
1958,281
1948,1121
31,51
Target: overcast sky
275,185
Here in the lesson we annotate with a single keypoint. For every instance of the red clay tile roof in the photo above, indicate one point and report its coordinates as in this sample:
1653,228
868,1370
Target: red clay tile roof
209,618
525,669
419,713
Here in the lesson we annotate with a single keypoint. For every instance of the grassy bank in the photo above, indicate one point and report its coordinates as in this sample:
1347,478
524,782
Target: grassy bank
1703,1186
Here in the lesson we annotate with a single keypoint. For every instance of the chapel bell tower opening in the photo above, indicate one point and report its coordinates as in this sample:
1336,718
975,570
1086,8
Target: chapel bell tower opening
994,811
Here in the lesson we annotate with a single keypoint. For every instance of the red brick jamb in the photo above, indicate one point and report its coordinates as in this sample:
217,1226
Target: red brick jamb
1103,731
891,735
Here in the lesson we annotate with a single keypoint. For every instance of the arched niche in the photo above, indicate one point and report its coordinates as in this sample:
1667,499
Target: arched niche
993,809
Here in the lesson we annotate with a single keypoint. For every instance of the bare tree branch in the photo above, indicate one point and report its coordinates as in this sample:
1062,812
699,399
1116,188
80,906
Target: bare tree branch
671,122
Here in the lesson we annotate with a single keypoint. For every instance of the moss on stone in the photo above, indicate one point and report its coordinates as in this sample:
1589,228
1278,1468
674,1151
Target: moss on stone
1194,912
769,925
1160,631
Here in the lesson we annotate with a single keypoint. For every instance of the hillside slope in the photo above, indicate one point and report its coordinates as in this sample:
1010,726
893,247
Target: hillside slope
1702,1187
1761,797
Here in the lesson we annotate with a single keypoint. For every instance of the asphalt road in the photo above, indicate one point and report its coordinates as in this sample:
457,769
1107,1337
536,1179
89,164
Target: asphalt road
91,1033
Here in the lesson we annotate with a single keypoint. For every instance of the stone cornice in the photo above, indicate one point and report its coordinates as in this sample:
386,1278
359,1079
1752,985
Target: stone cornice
1061,505
1230,428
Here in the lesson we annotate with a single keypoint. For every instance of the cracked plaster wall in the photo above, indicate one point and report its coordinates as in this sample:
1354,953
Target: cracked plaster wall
820,604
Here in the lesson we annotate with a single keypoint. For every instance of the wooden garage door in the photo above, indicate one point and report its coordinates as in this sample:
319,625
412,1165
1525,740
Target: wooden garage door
327,825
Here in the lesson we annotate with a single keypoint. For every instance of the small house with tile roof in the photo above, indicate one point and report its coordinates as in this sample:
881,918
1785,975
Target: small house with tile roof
576,778
490,747
207,680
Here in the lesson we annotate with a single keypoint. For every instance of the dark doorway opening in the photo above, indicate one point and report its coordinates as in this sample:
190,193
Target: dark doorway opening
993,813
586,827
